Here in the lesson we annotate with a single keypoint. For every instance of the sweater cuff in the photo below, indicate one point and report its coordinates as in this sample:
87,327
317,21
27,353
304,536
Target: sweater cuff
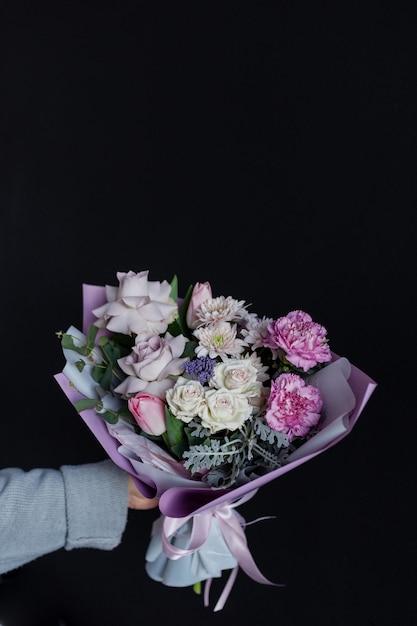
96,504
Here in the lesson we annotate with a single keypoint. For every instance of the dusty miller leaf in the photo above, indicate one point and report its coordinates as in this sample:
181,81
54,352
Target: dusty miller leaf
205,456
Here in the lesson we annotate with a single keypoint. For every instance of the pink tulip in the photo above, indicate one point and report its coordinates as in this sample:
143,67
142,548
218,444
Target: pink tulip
149,412
201,293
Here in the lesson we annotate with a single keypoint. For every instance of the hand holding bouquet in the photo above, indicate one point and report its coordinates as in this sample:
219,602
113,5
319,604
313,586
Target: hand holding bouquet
203,402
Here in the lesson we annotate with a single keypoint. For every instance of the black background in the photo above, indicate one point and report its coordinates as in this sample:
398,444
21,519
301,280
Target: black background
270,149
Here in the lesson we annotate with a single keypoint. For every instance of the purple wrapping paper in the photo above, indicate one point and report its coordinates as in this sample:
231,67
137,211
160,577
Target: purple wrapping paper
181,501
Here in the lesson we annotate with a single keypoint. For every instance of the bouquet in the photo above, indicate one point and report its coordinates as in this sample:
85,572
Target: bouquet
203,402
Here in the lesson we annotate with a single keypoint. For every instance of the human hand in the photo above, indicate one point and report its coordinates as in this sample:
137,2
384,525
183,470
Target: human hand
138,501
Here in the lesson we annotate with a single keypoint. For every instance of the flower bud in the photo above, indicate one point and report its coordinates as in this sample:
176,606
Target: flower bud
201,293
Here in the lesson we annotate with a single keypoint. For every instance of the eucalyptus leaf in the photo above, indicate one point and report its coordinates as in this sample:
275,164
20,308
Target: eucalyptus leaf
67,343
85,403
107,377
91,336
98,372
108,416
80,365
103,341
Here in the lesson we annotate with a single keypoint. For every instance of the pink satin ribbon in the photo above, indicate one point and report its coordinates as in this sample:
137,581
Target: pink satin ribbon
233,534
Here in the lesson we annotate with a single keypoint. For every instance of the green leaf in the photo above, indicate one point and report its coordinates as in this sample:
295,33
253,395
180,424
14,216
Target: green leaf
189,349
159,439
184,309
113,350
125,342
107,377
126,414
186,300
85,403
98,372
103,341
80,365
175,328
108,416
91,336
67,343
174,435
179,325
174,288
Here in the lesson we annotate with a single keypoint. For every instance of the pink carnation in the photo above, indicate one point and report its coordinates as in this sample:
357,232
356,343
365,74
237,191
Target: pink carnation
293,407
303,341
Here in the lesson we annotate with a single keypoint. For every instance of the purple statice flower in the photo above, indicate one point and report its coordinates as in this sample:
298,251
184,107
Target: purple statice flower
200,369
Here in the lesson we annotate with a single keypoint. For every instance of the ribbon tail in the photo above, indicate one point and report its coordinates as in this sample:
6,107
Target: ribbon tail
227,589
235,538
207,591
225,593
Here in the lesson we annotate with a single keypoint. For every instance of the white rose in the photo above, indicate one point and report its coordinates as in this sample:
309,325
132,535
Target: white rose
185,399
238,376
224,410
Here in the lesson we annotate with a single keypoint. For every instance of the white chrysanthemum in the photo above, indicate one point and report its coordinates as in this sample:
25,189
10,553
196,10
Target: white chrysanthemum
246,317
256,331
218,340
260,367
220,309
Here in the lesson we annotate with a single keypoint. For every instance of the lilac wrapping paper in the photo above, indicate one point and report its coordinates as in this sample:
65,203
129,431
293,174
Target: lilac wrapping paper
180,500
346,390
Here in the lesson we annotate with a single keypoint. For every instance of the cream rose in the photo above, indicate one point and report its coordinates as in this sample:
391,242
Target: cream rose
238,376
186,398
224,410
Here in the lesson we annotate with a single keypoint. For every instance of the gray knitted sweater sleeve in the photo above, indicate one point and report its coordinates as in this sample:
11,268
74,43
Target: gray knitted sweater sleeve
43,510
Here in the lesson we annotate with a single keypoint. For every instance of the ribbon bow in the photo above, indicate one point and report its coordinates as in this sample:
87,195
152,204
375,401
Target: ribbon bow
233,534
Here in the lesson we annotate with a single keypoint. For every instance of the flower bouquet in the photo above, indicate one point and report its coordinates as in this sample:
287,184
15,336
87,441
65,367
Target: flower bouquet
203,402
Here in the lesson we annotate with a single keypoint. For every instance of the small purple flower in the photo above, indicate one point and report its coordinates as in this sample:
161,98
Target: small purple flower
200,369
